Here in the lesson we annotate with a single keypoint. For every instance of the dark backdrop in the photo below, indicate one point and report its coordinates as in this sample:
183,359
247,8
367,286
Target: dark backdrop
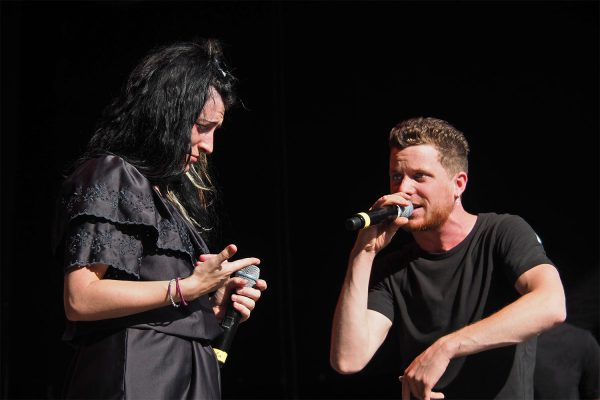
322,84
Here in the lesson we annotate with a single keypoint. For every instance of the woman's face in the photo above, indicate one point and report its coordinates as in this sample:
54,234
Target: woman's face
209,120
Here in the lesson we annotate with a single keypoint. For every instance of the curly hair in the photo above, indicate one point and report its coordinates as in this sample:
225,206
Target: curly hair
451,143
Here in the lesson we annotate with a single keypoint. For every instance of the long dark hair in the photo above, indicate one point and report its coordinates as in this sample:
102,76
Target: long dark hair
149,124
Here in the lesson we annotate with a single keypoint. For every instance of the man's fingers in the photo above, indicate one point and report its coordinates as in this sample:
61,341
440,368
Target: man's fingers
428,395
405,389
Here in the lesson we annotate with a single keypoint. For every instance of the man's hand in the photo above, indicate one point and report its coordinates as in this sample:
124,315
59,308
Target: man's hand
425,371
376,237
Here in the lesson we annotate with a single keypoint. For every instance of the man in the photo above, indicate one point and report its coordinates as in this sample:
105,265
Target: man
466,298
567,364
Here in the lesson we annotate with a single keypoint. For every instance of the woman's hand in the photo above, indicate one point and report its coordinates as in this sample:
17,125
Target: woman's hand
244,298
232,287
212,272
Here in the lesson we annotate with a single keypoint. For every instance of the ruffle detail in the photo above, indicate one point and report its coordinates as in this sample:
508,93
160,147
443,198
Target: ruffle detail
90,243
108,210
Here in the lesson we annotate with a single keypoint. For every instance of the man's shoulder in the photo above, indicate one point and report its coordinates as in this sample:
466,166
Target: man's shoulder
502,224
492,218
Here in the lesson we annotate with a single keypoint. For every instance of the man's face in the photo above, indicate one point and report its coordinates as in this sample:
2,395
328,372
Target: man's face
417,173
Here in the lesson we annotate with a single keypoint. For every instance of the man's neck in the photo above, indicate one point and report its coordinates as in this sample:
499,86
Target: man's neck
449,235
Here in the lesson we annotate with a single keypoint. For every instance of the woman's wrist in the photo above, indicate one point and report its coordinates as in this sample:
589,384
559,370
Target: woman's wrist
172,293
190,289
179,291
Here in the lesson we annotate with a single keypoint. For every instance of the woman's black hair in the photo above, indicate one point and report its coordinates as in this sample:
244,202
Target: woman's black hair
149,124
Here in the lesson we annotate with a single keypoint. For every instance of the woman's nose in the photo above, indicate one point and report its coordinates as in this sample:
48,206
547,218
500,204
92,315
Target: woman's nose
206,145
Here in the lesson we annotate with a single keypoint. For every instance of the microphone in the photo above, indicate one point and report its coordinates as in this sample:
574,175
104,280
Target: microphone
363,220
232,317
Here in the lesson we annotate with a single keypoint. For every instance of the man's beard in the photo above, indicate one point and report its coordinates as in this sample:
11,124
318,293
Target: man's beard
438,218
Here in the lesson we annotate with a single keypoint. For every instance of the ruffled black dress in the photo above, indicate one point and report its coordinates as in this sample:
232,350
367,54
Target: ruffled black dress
109,214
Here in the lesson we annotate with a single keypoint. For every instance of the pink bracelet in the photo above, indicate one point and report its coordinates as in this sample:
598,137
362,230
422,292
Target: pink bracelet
181,299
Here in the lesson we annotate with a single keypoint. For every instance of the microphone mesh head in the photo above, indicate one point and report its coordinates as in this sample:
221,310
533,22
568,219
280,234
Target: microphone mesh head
250,274
406,211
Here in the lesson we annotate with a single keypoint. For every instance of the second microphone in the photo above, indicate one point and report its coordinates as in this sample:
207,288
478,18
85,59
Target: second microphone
232,317
363,220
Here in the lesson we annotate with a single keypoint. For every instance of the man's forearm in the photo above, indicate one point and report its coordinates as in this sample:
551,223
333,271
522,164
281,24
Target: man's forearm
352,341
531,314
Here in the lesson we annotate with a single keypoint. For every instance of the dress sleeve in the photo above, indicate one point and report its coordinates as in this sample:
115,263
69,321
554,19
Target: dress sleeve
90,241
105,214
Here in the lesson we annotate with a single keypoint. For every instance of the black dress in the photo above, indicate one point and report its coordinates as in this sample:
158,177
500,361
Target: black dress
109,214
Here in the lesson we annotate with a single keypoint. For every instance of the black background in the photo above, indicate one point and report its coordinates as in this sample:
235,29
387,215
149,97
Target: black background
323,83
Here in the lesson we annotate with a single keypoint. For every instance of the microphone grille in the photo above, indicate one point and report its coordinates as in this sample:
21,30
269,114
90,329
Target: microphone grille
250,273
406,211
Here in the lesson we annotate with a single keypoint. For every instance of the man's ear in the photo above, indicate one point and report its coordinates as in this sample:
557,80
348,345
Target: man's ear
460,184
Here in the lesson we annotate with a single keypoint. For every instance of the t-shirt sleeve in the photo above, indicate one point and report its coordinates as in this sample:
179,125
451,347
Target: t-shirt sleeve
519,247
381,298
589,386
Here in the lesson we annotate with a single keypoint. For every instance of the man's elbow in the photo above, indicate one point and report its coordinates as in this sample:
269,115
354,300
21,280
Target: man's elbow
345,366
560,313
556,311
551,302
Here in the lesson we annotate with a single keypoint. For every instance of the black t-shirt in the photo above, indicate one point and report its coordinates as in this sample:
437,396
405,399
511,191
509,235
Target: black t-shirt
428,295
567,364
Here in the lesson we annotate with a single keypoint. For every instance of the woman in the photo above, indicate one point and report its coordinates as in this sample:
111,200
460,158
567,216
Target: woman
142,293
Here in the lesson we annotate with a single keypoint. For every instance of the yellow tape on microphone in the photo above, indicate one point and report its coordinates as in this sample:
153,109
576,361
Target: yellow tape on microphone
367,219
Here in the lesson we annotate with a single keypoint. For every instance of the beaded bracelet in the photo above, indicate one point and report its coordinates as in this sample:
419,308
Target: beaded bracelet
181,299
169,292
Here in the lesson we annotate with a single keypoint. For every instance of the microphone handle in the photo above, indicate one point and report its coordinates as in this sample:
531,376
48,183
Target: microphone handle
372,217
232,317
222,344
381,214
230,324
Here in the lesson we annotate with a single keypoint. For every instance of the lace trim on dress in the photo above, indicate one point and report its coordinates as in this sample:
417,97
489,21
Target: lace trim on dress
84,201
95,242
167,233
121,208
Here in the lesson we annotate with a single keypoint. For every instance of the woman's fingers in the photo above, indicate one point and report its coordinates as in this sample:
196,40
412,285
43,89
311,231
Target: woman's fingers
225,254
244,305
220,261
261,285
244,298
204,257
